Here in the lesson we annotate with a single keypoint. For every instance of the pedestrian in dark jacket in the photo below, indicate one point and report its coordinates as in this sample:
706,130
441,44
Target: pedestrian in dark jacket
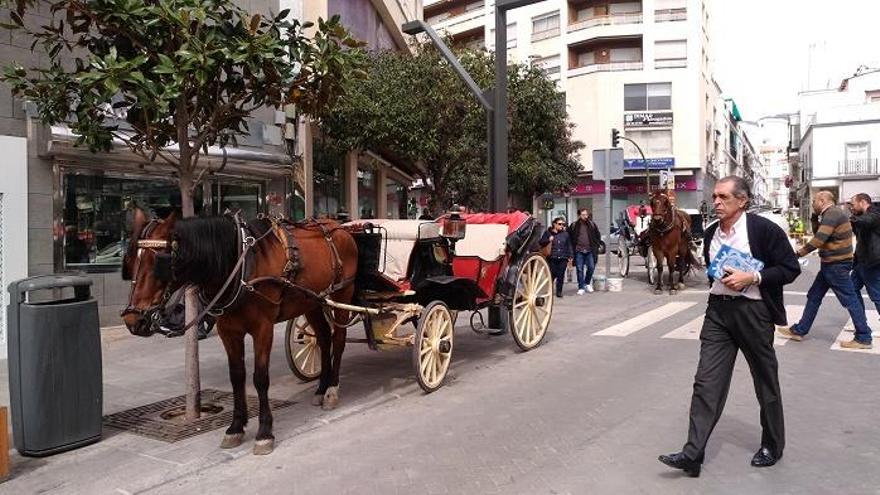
560,251
865,222
585,239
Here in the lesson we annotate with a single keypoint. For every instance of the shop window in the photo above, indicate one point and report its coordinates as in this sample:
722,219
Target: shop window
366,193
97,215
329,180
396,198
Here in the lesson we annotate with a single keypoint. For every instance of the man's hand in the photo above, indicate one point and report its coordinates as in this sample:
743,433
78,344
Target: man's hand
736,279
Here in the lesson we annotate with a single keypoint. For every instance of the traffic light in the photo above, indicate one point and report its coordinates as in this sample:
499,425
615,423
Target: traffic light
615,138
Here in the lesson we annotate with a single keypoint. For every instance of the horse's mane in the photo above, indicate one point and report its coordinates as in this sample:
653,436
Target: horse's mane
207,249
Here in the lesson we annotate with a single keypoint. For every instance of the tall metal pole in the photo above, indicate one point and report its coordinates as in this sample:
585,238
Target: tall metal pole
498,166
645,161
607,215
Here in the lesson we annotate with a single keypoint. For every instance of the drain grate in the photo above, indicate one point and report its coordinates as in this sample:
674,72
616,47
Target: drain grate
147,420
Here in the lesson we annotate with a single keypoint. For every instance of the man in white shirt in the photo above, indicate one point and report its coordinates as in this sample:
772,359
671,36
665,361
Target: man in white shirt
741,316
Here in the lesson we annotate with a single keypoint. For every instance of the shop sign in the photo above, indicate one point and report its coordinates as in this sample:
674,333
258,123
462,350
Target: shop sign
653,163
647,119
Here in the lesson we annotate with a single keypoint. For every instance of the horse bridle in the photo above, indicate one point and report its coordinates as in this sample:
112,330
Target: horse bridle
159,247
667,225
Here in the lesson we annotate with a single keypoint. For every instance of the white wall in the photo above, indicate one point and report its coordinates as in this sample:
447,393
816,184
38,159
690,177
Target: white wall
14,222
829,144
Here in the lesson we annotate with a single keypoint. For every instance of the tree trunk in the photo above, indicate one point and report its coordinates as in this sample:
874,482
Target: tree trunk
191,338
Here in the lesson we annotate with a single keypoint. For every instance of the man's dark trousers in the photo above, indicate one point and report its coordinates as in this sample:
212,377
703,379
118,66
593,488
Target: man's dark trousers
731,325
869,278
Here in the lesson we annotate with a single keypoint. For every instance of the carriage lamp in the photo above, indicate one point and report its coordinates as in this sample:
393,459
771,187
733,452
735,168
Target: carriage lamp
454,225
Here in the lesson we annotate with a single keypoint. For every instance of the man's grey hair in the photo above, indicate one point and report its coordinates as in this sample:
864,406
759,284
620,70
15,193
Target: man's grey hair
741,187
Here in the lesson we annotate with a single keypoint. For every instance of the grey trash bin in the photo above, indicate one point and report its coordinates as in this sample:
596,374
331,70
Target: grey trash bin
55,384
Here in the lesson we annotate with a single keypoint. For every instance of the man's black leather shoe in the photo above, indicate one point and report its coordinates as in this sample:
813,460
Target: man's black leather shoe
764,457
680,461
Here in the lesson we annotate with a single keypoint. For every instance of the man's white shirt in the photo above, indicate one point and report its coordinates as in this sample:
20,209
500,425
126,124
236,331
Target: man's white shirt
738,238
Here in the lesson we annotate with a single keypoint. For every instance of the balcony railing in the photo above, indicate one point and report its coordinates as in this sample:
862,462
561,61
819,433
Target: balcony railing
866,166
543,35
670,63
606,20
669,15
606,67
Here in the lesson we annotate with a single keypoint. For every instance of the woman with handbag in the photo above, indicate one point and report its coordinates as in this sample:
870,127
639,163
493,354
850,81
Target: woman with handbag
556,238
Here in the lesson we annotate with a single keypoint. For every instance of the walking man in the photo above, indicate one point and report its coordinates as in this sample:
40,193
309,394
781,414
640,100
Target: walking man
743,308
585,238
560,251
865,221
833,239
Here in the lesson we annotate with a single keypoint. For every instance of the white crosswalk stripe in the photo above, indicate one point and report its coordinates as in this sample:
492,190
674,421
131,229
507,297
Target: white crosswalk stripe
849,328
691,329
644,320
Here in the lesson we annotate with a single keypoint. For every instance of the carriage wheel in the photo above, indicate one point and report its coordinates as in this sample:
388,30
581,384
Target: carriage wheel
651,266
532,303
302,350
432,351
623,261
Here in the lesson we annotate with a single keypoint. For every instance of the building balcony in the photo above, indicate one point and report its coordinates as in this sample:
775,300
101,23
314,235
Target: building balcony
460,23
670,15
604,67
858,168
606,20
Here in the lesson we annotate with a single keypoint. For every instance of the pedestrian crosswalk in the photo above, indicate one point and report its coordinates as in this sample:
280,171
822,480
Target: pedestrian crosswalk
690,329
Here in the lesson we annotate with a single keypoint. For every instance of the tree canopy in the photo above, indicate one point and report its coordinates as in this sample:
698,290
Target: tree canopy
415,109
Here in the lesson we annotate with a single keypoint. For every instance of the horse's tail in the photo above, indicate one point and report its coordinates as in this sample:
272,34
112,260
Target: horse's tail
693,262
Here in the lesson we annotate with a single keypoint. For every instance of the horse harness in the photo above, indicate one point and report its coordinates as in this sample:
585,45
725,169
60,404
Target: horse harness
279,227
667,225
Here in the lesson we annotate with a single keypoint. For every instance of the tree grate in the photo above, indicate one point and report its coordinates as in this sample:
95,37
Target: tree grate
147,420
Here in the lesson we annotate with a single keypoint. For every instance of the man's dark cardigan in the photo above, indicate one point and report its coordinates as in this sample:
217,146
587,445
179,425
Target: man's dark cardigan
769,244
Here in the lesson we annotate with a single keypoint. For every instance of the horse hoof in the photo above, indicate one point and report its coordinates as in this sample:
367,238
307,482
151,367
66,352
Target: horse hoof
318,400
658,291
264,446
231,440
673,292
331,399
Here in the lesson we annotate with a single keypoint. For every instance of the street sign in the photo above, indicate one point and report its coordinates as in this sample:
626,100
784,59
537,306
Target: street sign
612,169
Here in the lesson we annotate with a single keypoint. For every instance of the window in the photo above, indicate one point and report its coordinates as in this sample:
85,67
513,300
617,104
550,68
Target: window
671,53
584,14
655,143
550,65
670,4
873,96
625,8
366,193
545,26
641,97
857,152
511,35
97,215
628,54
395,195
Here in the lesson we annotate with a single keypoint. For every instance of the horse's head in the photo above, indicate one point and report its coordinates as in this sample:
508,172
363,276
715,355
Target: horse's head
661,207
148,264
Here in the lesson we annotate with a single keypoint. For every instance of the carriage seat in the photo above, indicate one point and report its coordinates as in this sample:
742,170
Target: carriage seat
398,240
485,241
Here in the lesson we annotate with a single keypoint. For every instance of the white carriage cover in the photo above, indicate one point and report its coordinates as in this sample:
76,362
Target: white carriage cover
401,237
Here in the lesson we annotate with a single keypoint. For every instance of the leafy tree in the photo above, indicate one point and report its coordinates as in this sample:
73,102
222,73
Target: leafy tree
417,110
170,78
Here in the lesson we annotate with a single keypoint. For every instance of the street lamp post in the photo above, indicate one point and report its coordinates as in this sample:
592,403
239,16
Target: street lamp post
647,171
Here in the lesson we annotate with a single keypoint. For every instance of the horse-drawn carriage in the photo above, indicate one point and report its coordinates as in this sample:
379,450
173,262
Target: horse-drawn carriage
628,240
424,273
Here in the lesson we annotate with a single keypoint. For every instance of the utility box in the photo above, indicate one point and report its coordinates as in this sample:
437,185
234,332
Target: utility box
55,372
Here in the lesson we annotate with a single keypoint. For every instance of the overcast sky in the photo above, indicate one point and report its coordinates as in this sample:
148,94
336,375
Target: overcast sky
761,47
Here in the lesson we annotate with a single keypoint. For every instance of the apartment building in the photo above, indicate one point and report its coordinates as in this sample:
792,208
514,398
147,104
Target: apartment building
642,67
840,138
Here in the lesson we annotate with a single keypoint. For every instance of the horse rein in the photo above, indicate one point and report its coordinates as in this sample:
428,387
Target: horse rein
153,313
668,225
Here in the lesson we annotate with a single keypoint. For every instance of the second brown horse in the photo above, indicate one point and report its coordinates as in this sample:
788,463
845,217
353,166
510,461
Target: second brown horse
670,238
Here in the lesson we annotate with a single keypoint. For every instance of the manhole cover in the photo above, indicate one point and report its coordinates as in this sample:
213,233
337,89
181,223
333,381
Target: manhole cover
163,420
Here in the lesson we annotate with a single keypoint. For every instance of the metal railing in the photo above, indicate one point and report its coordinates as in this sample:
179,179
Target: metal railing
606,20
865,166
607,67
669,15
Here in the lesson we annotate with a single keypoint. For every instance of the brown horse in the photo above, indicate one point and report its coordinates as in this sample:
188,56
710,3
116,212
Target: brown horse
252,272
669,233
